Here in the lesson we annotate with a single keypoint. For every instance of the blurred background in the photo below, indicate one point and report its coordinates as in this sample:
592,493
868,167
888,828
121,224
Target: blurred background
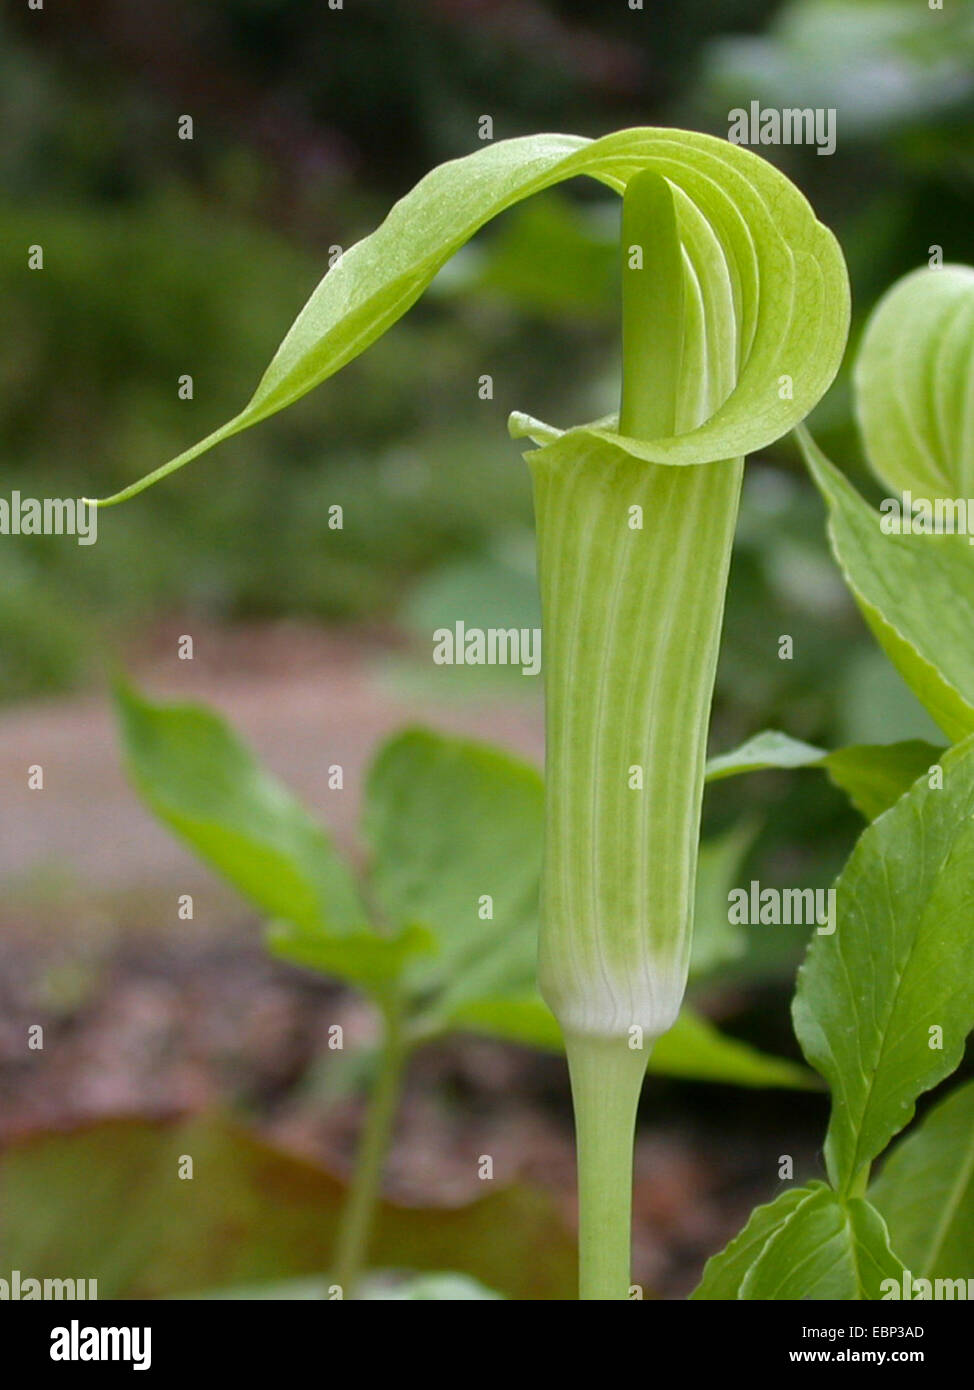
165,257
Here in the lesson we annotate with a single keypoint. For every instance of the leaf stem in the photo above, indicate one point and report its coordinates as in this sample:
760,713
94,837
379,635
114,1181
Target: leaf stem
606,1080
351,1250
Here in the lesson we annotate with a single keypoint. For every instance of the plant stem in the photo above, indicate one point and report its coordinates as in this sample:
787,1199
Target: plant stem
358,1215
606,1080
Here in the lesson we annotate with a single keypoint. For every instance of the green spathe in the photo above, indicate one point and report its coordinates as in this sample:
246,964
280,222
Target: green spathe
914,390
631,636
632,616
769,281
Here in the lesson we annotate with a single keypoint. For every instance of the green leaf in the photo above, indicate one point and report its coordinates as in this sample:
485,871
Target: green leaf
252,1213
768,749
519,1017
896,967
916,592
724,1273
926,1191
768,280
693,1049
824,1249
914,383
455,830
205,785
696,1050
873,775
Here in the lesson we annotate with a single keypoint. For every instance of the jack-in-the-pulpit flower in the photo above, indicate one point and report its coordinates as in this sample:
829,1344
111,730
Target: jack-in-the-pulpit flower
735,316
914,392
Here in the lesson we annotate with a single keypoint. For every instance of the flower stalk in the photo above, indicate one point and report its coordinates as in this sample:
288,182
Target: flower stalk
606,1076
358,1213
